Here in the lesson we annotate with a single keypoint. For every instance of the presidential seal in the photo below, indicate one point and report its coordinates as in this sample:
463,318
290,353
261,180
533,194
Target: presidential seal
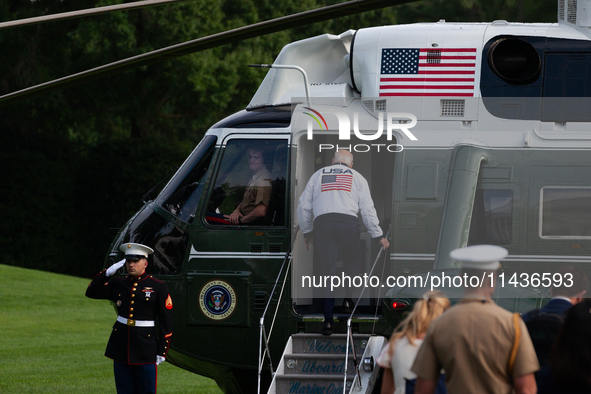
217,300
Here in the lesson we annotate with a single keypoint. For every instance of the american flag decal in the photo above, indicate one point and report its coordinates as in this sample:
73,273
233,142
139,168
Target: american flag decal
428,72
336,182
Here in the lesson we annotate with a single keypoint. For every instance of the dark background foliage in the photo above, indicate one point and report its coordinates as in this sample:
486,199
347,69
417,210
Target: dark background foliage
75,163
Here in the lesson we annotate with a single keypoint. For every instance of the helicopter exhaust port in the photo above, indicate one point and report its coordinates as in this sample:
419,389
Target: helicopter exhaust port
514,61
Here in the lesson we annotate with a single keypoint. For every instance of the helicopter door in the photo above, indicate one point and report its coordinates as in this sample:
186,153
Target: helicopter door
377,167
242,235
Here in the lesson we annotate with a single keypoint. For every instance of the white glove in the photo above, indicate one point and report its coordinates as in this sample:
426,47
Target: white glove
159,360
112,269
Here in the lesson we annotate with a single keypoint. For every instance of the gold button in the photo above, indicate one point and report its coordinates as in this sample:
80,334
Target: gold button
130,315
133,295
131,309
132,302
148,335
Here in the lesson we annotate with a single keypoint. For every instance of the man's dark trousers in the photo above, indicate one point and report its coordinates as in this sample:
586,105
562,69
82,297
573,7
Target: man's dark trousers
334,239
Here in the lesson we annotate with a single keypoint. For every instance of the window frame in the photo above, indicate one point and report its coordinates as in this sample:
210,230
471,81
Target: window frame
541,214
208,145
215,173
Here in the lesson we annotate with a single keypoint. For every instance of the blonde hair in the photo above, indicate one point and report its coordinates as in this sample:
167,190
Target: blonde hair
425,310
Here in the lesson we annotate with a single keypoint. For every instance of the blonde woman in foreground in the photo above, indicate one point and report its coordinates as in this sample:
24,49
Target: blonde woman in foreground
397,358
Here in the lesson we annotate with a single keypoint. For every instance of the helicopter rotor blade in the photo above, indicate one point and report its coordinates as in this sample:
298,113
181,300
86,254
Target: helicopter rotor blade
86,12
200,44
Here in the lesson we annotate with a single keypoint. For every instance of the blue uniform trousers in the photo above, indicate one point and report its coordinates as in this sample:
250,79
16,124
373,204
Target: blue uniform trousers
135,379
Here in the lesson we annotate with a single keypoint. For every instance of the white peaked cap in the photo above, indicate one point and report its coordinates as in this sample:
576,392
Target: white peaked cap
136,250
480,257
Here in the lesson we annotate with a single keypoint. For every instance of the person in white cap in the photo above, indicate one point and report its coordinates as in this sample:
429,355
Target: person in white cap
482,347
140,299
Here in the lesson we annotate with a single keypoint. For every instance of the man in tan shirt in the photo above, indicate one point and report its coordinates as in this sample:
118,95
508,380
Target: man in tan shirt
474,339
255,201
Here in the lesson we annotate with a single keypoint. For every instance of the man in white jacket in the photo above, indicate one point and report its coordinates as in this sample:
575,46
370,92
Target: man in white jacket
327,213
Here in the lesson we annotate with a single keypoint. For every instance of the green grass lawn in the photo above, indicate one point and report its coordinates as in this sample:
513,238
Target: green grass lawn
53,339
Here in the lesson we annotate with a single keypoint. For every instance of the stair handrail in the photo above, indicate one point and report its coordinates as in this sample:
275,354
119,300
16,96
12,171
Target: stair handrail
262,331
350,328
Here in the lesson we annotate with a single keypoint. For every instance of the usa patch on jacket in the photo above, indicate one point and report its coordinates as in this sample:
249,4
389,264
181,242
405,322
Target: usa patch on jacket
336,182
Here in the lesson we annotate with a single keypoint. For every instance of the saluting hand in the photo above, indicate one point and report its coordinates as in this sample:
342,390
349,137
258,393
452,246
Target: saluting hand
112,269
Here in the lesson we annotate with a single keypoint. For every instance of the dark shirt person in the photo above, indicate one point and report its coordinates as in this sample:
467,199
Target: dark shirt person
135,346
570,361
563,296
544,324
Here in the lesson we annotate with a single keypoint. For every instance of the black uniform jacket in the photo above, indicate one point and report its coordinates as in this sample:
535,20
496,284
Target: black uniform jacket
136,298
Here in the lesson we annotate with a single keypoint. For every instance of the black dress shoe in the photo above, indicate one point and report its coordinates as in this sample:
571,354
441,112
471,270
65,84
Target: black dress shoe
348,306
327,328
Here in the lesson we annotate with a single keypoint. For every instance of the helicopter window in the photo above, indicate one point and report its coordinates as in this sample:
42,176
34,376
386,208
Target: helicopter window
250,187
181,196
169,241
565,212
492,218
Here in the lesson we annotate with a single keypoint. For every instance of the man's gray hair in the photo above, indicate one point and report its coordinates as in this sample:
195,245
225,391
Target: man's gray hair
344,157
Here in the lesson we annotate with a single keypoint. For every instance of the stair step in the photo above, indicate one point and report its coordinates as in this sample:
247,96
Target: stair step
315,364
333,344
304,384
318,364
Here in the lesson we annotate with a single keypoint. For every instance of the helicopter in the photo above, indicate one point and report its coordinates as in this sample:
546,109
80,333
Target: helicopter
468,133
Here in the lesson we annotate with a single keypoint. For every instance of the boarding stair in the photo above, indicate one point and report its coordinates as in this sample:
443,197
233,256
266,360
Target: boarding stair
314,363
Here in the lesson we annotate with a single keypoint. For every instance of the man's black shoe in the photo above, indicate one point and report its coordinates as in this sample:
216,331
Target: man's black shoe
348,306
327,328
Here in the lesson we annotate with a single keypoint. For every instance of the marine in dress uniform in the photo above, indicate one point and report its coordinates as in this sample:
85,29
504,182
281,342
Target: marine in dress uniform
327,212
474,339
135,345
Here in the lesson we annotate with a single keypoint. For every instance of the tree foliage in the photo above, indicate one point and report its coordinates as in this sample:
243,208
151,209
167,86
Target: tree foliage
76,162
